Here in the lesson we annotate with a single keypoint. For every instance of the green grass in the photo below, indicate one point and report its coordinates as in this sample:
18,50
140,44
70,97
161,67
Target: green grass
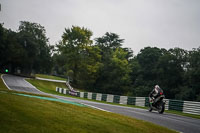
21,114
49,77
183,114
50,87
2,85
46,86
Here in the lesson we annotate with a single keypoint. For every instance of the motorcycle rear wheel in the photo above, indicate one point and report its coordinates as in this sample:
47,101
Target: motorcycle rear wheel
150,109
161,109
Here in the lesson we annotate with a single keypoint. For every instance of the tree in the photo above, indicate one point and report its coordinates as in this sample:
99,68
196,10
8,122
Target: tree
143,67
193,73
33,38
148,59
80,56
109,40
114,75
89,67
10,49
120,72
171,72
3,47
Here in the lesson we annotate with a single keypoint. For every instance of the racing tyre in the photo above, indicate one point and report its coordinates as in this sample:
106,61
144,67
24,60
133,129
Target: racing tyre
161,108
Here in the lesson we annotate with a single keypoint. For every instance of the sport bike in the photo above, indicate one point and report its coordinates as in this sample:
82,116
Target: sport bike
157,104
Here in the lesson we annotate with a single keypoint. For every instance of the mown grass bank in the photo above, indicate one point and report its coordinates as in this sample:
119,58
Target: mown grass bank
19,114
50,87
46,86
49,77
2,85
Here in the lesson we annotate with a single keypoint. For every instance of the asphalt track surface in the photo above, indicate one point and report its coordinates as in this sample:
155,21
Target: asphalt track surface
175,122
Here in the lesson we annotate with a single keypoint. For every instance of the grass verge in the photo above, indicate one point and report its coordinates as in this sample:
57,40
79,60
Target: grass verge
46,86
2,85
49,77
183,114
21,114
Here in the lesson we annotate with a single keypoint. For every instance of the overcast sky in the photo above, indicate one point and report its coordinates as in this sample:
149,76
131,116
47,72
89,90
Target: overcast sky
160,23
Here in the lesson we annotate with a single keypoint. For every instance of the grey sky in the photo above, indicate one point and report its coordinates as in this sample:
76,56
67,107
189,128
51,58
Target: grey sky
160,23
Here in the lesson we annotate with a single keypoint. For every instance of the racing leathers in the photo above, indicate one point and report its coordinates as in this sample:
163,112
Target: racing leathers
155,93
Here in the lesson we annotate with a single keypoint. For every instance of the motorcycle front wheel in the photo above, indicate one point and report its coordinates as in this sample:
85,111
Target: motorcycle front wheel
150,108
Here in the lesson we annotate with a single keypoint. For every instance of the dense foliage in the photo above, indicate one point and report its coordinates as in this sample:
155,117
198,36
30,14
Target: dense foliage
26,50
102,64
172,69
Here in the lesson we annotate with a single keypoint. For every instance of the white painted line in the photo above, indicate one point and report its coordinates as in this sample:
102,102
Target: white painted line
33,86
95,107
5,82
52,80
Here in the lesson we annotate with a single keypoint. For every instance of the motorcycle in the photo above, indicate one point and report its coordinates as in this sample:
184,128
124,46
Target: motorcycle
157,104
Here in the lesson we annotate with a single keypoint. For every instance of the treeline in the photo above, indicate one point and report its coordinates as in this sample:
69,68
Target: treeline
176,70
25,51
102,65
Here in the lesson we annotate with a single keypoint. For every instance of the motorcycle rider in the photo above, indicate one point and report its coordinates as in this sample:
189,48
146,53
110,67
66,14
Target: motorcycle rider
155,93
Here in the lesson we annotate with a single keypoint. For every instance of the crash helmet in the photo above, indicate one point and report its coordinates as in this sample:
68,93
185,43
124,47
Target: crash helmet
157,87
